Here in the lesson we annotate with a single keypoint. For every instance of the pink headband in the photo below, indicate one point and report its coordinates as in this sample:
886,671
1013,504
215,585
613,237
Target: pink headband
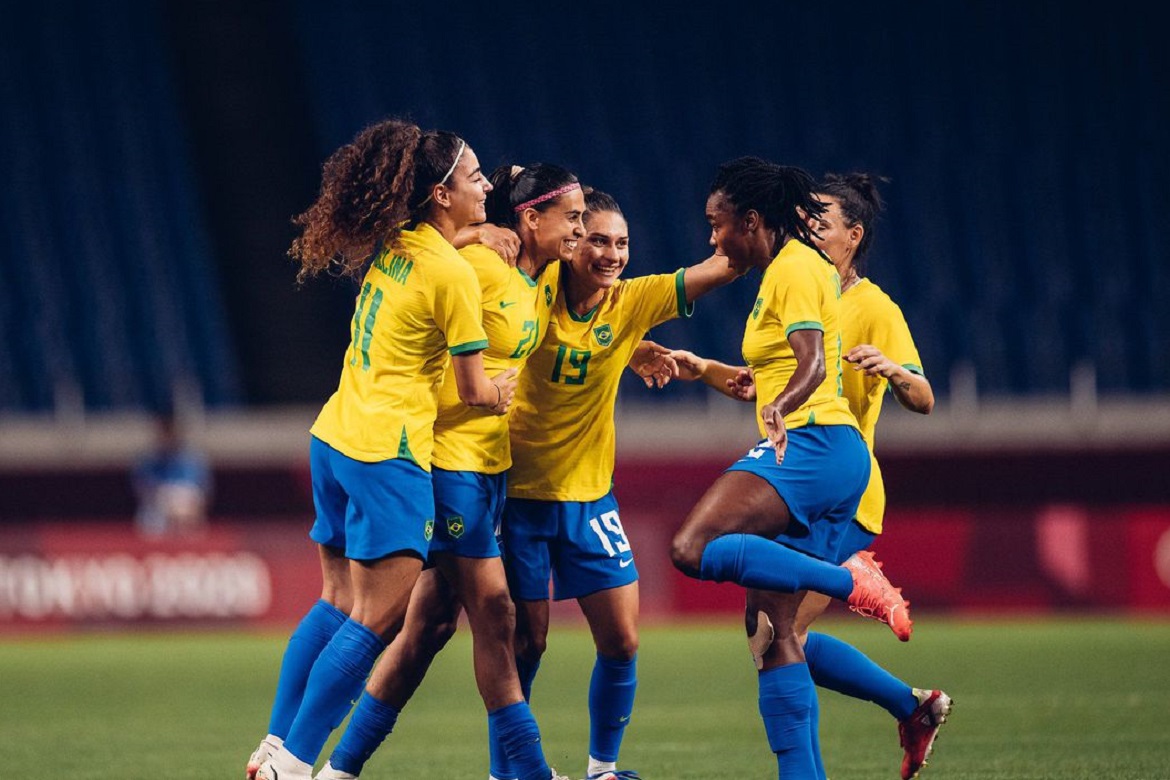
558,192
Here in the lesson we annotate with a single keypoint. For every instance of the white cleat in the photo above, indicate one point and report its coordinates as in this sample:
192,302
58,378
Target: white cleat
268,747
283,765
329,773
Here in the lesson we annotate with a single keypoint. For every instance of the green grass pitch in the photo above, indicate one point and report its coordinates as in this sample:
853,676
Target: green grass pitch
1067,698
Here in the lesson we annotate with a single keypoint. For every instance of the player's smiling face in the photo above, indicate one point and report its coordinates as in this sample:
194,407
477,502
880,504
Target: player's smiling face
468,189
603,254
558,228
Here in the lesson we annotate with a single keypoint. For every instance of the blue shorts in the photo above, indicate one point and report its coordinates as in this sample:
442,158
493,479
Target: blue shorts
370,510
581,542
823,476
468,506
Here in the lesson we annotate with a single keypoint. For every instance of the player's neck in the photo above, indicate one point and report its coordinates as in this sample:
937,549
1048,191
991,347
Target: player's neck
581,299
530,265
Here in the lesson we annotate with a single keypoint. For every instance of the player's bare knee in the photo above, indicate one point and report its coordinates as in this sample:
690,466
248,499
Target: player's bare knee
622,648
686,553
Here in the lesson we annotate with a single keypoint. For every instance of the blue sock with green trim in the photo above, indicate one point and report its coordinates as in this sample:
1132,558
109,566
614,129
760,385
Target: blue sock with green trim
527,673
755,562
611,703
314,631
371,722
520,737
786,696
841,667
334,685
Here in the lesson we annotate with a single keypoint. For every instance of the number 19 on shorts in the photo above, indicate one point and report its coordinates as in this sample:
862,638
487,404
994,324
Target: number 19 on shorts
608,528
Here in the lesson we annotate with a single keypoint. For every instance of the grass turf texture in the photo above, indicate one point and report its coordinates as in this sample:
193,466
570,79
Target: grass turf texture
1061,699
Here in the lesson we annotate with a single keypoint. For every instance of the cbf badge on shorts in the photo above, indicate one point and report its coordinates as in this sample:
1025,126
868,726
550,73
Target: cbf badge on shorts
455,526
429,528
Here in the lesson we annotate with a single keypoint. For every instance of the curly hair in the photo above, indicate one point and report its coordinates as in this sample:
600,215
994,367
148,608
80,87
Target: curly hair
782,195
371,188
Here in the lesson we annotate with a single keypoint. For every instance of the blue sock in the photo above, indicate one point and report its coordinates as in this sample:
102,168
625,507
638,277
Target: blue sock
843,668
527,672
814,732
756,562
520,738
372,722
498,764
611,703
786,696
316,628
334,684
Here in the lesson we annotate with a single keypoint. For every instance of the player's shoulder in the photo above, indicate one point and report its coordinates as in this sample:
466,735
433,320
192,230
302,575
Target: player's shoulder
869,294
480,255
487,264
634,287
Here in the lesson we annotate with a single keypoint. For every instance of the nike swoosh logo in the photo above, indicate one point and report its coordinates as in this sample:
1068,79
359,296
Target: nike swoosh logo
506,304
626,562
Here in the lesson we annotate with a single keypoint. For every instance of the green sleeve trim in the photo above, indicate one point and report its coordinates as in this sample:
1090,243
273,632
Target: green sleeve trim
471,346
806,325
913,369
685,309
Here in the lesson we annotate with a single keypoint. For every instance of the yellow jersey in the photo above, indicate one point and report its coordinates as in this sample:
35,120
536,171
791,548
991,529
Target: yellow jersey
515,316
800,290
869,316
419,300
562,425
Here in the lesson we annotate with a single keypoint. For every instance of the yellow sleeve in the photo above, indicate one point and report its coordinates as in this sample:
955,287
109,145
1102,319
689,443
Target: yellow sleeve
458,311
797,301
652,300
491,270
891,335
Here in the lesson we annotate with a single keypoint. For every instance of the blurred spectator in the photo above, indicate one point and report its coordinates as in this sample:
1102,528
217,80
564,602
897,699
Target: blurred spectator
173,484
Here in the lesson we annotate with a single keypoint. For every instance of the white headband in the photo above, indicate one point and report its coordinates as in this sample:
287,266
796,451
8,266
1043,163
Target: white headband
451,170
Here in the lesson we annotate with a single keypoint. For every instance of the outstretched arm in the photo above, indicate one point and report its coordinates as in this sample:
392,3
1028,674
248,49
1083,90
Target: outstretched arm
653,363
702,278
733,381
912,390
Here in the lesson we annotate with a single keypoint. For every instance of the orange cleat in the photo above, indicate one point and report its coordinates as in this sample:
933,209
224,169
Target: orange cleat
917,733
874,597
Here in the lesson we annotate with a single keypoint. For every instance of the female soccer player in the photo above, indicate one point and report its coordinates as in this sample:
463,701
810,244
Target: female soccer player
543,204
877,341
561,515
390,203
779,520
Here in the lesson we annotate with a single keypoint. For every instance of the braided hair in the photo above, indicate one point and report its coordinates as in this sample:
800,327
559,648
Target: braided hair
782,195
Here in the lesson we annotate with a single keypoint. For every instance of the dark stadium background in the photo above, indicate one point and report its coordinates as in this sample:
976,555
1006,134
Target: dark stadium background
154,154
